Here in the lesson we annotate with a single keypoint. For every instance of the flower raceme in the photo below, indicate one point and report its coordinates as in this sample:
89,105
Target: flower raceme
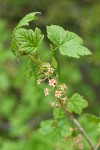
26,42
59,89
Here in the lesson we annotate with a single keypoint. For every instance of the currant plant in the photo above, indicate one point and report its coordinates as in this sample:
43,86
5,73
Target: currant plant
25,42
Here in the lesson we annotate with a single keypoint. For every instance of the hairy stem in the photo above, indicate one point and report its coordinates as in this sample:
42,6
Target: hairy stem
77,124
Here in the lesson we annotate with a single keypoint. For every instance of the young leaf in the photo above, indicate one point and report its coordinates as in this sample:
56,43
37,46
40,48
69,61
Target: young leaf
76,104
58,113
55,129
14,47
69,43
27,19
27,41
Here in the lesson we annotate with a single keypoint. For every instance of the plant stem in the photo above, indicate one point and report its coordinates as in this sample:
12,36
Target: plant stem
98,145
77,124
49,53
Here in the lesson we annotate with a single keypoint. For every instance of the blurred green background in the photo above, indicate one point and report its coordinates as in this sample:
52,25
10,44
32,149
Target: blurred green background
22,104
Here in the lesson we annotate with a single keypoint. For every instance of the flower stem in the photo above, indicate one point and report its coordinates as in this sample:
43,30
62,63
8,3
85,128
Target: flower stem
77,124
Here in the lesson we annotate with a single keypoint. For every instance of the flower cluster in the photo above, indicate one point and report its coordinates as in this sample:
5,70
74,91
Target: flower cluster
39,81
78,142
59,89
58,94
50,70
54,104
63,87
46,91
52,82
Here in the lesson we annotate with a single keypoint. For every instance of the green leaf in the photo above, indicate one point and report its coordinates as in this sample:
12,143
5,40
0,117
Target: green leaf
56,34
14,47
69,43
55,129
76,104
93,118
54,62
47,127
34,67
91,128
59,36
99,128
72,49
27,19
27,41
58,113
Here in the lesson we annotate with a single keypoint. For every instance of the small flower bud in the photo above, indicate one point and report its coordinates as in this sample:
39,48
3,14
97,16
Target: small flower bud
63,87
56,105
46,91
81,146
78,139
38,81
71,129
50,70
64,100
52,104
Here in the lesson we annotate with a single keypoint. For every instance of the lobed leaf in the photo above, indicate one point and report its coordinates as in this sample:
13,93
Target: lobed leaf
93,118
27,41
91,128
58,113
55,129
76,104
69,43
72,49
56,34
27,19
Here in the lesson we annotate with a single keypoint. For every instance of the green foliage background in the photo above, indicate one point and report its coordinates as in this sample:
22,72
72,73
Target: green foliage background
22,104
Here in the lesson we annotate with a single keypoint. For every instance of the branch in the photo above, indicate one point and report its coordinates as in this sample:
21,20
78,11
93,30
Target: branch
98,145
77,124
